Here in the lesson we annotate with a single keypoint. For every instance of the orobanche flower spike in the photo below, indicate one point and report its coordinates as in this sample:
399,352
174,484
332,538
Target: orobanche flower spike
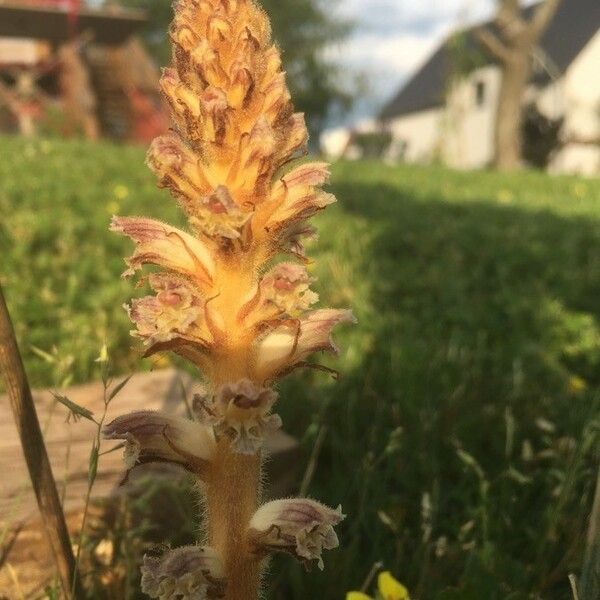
231,294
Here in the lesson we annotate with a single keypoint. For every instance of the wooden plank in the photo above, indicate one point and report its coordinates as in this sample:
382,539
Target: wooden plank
51,23
69,444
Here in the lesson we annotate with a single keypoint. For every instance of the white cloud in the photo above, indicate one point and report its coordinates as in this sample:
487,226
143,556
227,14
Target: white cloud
401,53
393,38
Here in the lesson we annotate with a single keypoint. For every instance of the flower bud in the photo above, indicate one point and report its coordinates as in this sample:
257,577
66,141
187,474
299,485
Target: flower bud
241,411
214,110
177,169
181,98
298,526
186,573
155,437
219,30
272,60
276,97
185,37
295,140
256,157
206,62
243,85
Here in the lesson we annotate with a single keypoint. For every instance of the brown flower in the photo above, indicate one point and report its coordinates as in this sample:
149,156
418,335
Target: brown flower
241,411
291,342
186,573
298,526
152,436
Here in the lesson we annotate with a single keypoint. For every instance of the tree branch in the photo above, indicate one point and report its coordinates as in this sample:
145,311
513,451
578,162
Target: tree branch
509,16
542,18
492,44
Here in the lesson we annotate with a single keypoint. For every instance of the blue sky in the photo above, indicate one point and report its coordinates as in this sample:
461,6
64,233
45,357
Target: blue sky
393,37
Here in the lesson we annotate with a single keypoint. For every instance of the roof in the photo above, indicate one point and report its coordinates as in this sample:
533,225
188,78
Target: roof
44,22
573,26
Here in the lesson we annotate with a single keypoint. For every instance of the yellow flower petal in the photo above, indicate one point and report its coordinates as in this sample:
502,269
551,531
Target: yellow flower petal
576,385
390,588
357,596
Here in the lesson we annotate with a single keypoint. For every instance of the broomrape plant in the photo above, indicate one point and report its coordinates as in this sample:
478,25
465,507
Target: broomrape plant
223,298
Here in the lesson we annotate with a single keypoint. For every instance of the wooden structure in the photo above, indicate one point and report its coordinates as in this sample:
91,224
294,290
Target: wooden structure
24,547
76,70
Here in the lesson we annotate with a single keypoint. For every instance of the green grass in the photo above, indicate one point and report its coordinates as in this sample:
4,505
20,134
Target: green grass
462,438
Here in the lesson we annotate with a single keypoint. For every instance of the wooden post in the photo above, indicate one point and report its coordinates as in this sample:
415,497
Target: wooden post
34,449
78,94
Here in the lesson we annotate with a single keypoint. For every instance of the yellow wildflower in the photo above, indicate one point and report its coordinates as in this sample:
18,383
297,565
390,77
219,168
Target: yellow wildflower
121,191
388,587
576,385
357,596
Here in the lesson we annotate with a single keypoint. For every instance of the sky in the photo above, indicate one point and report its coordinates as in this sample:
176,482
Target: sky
392,38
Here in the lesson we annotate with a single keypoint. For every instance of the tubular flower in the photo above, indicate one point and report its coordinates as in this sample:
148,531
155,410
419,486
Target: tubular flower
240,411
186,573
286,288
222,297
284,292
290,342
150,437
299,526
173,313
165,246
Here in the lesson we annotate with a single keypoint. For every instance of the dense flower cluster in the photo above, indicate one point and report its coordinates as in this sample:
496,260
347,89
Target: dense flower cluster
222,297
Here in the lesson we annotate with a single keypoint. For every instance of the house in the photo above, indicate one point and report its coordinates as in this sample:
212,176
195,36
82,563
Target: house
71,69
447,110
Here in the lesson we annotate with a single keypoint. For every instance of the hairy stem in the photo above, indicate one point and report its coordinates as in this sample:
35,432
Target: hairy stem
232,498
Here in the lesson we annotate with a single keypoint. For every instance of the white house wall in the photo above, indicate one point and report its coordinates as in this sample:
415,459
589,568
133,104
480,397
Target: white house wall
583,76
551,101
468,126
415,136
581,131
460,134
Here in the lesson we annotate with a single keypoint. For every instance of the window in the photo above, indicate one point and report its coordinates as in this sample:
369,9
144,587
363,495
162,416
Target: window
401,149
480,93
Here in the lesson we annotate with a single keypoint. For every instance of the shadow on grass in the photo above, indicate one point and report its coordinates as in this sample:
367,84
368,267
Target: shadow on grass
460,440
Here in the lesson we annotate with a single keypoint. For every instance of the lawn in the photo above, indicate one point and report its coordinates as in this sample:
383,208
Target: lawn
462,436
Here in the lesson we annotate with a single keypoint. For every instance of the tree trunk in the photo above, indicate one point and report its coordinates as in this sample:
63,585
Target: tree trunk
509,116
511,46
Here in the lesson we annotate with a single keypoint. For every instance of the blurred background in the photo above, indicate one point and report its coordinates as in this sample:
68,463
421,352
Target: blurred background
415,83
462,438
